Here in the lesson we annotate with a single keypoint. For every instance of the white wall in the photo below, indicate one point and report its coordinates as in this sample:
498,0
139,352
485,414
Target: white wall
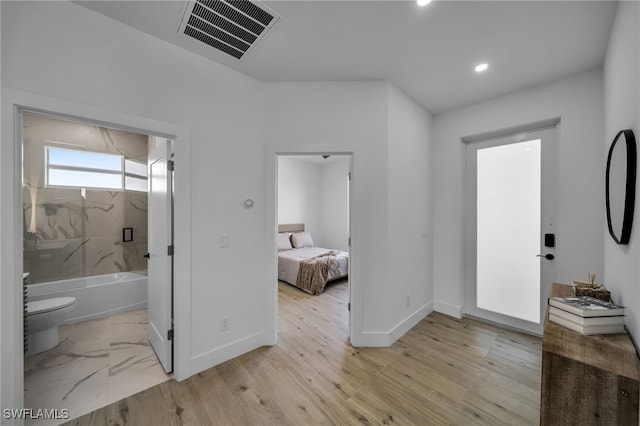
622,111
349,116
578,101
410,265
315,194
65,51
300,194
334,206
366,118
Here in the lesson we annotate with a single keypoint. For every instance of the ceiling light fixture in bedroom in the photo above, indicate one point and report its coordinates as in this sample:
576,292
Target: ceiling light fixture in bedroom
423,2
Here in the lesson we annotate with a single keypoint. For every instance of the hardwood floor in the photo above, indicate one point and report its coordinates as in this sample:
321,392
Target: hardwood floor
443,371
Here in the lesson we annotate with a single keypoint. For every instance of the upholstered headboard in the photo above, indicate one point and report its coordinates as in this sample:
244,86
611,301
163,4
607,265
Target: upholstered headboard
291,227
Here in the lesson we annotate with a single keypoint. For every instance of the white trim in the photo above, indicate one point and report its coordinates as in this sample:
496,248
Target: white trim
229,351
384,339
355,286
408,323
13,102
514,130
448,309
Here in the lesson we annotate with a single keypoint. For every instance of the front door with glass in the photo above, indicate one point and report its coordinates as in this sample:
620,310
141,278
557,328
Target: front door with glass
510,206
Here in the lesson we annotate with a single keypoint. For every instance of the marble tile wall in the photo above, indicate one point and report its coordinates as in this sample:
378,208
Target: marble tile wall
80,236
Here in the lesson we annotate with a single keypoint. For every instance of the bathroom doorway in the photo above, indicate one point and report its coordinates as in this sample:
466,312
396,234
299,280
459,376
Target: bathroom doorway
86,236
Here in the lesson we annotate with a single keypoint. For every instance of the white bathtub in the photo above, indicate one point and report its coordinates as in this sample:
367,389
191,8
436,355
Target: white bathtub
98,296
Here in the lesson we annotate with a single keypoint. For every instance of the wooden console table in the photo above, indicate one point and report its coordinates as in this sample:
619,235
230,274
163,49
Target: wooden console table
587,380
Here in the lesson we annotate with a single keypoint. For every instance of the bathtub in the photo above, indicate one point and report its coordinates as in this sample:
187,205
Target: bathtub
98,296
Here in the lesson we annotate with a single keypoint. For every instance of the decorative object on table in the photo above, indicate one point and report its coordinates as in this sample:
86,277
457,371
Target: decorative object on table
621,167
591,288
587,315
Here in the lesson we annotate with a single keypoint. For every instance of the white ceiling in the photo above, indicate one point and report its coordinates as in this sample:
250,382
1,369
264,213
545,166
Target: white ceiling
428,52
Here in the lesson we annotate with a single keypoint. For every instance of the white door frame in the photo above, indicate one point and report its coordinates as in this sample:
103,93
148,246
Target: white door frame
355,284
14,102
549,167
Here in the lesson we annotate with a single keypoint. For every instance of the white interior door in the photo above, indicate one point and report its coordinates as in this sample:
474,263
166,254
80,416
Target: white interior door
160,265
510,208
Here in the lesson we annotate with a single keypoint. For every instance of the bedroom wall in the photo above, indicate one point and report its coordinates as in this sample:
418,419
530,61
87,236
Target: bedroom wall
316,195
299,194
334,206
578,101
622,111
65,51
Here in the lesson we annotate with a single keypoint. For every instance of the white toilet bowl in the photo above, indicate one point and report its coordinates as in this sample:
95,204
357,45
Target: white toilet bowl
44,318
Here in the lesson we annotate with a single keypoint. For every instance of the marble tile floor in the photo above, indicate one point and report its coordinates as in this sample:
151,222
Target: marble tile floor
96,363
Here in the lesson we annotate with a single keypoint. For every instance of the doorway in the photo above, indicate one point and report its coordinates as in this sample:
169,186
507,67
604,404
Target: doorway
85,221
510,210
313,197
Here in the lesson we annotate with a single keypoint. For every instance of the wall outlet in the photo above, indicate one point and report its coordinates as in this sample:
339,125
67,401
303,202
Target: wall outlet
407,301
225,324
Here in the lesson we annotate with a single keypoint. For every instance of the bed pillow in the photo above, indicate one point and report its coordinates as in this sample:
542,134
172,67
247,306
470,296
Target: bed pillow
284,242
301,239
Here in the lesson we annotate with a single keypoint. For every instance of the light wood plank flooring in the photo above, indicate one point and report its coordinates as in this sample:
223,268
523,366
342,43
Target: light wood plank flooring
443,371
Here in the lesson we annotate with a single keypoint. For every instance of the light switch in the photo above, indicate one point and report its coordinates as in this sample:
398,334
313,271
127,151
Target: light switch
224,240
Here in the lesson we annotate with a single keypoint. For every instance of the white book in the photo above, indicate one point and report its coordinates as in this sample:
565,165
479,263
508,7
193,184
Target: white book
586,306
596,329
588,321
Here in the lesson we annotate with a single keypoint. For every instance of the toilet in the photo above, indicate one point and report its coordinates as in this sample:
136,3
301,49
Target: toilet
44,317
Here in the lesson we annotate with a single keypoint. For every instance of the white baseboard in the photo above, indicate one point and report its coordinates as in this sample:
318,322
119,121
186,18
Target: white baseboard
384,339
108,312
224,353
448,309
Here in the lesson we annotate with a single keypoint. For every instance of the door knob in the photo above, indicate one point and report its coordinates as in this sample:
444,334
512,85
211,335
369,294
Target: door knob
147,255
547,256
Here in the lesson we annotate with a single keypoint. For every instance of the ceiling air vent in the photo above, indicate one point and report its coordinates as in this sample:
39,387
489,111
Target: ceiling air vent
231,26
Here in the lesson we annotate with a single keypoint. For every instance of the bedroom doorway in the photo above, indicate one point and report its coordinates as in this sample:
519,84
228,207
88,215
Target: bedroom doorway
314,250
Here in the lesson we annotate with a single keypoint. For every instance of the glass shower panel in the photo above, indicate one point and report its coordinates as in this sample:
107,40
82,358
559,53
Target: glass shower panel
73,226
508,229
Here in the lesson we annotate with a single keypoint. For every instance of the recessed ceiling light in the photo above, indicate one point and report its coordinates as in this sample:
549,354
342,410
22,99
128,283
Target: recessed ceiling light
482,67
423,2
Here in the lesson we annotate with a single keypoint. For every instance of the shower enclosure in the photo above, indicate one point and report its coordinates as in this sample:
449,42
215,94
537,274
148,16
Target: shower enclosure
82,185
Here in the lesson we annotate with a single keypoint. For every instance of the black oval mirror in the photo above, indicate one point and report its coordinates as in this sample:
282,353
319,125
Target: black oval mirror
620,186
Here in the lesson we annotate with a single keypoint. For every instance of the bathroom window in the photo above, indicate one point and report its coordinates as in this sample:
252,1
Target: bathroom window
83,169
135,176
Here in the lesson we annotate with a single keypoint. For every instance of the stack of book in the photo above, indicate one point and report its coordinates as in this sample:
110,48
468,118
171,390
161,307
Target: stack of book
587,315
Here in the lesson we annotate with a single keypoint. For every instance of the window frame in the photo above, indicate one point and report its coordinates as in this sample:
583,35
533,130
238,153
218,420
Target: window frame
48,166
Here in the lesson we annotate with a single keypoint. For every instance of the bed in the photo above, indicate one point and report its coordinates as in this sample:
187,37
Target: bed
305,266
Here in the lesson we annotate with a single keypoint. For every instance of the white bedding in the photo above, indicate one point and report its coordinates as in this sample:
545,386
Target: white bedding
289,262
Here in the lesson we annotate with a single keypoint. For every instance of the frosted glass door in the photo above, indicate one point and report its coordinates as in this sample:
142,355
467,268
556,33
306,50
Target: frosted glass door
509,209
508,226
